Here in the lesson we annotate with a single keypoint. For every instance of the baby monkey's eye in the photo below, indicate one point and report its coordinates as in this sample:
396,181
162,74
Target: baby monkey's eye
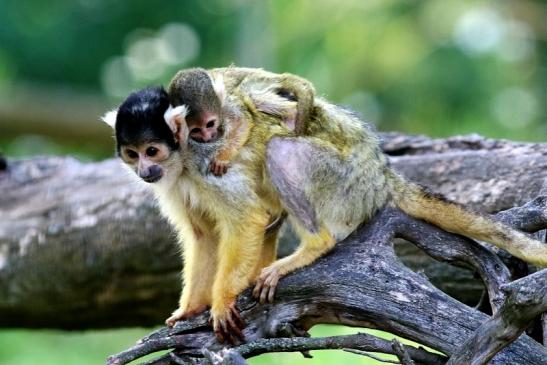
195,130
211,123
151,151
131,154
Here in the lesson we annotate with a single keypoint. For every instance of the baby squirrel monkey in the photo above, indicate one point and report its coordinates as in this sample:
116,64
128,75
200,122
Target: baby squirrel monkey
329,180
209,116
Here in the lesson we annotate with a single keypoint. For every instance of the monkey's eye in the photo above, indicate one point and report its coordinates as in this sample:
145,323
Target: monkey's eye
131,154
211,123
195,130
151,151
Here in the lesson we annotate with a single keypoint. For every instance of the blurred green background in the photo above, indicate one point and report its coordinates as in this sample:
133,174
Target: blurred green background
439,68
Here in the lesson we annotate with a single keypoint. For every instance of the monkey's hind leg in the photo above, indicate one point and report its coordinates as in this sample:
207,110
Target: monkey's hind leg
312,246
291,173
269,251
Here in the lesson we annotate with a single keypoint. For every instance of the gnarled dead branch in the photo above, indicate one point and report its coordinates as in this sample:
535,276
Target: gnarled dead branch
363,283
82,245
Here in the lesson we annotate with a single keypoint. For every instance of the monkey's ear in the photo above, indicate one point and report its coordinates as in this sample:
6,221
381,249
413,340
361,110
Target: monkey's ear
176,120
110,118
219,87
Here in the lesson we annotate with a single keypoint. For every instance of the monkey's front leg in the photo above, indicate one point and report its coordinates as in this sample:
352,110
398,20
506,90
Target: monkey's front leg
238,256
199,252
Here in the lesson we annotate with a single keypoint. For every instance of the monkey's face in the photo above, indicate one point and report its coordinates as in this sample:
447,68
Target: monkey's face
145,142
146,159
205,127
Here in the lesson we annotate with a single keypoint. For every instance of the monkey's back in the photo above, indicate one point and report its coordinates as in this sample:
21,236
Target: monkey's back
339,164
348,182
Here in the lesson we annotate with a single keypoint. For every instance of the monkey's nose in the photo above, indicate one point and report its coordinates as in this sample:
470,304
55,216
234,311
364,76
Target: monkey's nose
153,174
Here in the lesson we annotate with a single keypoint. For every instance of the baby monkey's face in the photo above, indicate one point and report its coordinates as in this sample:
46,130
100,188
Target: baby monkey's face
205,127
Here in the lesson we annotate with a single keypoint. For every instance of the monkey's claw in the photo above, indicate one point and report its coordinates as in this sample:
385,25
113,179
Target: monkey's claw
181,314
266,284
219,167
228,325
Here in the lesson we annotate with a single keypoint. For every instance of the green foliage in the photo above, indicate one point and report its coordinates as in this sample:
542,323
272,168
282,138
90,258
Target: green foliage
433,67
24,347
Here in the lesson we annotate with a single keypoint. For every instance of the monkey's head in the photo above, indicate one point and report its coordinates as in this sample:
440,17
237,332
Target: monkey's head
203,97
149,133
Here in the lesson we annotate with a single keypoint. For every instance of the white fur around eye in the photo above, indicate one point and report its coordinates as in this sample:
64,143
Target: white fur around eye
110,118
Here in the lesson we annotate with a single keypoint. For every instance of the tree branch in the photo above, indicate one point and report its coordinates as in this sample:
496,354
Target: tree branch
102,257
362,283
526,300
83,246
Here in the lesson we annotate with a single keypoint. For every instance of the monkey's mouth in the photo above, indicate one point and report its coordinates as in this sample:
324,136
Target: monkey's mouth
220,133
201,140
152,179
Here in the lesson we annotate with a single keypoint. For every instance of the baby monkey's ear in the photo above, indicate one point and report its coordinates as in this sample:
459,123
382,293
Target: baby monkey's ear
176,120
110,118
219,87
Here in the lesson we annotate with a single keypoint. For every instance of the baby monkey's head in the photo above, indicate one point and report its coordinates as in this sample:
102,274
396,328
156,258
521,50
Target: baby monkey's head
203,98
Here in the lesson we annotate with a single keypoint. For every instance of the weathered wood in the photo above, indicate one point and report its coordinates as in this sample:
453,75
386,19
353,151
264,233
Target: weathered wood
82,244
360,283
526,300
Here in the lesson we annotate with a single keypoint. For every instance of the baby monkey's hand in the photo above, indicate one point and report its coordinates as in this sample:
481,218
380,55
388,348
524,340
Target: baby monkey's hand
219,167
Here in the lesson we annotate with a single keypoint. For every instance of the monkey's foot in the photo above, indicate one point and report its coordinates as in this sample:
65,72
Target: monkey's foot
219,167
181,314
228,325
266,284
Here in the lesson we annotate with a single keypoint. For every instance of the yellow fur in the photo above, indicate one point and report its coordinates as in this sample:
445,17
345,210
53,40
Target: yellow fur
352,182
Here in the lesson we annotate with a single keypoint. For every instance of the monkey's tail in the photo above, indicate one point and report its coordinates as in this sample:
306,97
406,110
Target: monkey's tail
418,202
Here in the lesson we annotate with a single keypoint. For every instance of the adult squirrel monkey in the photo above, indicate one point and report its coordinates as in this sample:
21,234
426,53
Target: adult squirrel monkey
222,223
330,177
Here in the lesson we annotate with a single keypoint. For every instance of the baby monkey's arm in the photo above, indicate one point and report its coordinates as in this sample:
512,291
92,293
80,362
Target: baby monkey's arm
236,138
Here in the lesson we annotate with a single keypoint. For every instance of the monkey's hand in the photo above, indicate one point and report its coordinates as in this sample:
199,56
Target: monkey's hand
266,284
219,167
181,314
228,324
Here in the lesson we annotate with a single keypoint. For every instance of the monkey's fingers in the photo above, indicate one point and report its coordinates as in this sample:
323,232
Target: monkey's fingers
229,327
237,316
219,334
266,285
268,291
180,315
258,288
219,168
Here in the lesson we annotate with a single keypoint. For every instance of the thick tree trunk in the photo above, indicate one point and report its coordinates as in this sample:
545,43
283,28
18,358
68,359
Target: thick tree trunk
82,244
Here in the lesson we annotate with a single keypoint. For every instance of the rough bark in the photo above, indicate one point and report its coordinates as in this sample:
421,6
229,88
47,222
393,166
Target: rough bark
82,245
526,300
363,283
